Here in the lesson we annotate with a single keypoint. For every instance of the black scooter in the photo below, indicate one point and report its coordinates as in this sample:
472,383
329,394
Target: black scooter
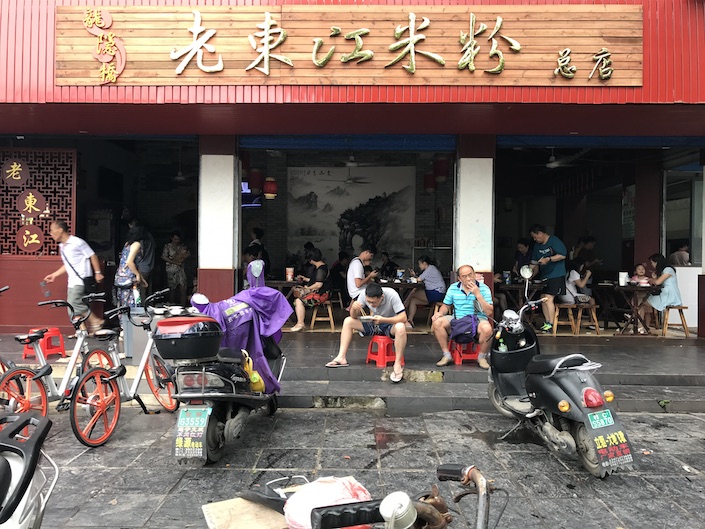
556,397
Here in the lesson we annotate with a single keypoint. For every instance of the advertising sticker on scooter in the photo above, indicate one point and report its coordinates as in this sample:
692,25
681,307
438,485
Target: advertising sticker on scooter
610,440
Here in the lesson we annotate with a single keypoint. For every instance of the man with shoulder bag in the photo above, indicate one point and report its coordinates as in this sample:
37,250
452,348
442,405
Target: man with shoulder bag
81,265
471,302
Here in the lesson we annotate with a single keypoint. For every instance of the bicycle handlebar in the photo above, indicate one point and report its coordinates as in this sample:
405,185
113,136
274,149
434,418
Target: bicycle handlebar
125,309
87,299
466,475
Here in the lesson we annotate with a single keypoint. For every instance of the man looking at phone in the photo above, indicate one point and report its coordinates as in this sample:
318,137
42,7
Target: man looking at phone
466,297
357,279
548,264
388,318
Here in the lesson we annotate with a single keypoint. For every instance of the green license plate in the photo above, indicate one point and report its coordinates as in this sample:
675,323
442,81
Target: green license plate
193,417
600,419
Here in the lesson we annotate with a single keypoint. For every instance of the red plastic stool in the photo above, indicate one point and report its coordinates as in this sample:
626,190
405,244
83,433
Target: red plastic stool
383,353
48,346
463,351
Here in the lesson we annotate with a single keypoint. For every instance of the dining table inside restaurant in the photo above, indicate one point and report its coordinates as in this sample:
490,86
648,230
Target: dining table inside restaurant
404,288
285,287
515,293
636,295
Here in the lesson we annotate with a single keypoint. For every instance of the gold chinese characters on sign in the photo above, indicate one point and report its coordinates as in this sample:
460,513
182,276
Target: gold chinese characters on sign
501,45
14,172
109,50
29,238
31,203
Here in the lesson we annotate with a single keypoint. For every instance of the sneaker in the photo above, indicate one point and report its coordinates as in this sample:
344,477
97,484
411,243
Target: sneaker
546,328
482,362
591,327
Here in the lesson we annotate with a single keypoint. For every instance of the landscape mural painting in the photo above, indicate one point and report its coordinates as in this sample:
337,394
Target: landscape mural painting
339,208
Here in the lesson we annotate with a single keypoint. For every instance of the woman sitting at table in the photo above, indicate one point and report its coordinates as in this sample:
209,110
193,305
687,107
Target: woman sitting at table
434,288
670,294
575,281
316,289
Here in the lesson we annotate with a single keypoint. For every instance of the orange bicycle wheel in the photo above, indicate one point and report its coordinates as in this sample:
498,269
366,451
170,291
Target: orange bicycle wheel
95,407
161,383
96,357
19,393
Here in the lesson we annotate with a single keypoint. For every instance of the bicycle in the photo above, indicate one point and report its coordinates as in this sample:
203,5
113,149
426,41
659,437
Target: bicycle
23,389
102,387
5,364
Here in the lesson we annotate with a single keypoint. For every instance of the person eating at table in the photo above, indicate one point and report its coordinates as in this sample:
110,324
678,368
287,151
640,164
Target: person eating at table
433,291
357,279
522,257
314,291
669,294
387,319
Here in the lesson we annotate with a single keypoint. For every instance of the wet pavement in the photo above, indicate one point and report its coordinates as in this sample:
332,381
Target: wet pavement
134,482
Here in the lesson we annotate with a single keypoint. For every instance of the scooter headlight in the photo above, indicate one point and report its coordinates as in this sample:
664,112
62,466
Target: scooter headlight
563,406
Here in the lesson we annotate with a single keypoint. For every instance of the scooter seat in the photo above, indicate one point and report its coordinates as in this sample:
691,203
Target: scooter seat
542,364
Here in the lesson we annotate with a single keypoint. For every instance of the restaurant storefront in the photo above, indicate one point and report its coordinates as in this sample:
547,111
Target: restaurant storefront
471,121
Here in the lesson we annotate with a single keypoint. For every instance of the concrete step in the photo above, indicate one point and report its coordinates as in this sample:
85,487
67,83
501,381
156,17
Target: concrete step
412,398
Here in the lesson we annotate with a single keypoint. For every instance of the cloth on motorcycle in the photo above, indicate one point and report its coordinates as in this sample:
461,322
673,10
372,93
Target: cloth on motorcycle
323,492
246,319
463,330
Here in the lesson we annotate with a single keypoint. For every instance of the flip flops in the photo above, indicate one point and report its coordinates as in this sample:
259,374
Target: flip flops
396,377
337,363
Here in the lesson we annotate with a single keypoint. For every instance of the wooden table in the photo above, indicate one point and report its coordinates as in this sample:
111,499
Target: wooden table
632,296
515,293
611,309
404,289
281,286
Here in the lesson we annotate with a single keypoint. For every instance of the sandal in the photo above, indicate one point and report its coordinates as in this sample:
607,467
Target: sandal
396,377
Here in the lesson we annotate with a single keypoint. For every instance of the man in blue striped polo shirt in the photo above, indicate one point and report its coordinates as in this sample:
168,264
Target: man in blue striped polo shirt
466,297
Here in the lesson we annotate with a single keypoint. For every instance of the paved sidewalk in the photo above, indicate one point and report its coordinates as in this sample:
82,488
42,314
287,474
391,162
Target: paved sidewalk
134,482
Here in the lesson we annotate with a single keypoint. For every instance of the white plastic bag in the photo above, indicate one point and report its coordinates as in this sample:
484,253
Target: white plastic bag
321,493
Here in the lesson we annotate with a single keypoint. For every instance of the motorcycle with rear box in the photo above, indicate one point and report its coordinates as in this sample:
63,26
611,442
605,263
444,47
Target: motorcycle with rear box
218,387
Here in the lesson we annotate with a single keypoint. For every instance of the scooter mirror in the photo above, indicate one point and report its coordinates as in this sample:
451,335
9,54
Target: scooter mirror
526,272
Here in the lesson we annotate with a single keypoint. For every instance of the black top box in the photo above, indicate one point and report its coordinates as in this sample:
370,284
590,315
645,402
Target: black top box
188,338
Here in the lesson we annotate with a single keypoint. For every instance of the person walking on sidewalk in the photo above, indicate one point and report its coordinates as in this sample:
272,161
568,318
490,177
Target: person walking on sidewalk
467,297
548,264
388,318
79,261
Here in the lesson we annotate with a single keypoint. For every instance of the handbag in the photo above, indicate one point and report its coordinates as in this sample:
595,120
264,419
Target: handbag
463,330
90,285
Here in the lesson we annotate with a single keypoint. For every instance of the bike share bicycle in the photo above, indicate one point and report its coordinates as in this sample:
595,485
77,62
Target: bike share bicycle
5,364
100,390
23,483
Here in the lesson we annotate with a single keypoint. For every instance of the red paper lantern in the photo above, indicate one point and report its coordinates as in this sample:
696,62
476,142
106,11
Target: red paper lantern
256,180
429,182
270,188
441,164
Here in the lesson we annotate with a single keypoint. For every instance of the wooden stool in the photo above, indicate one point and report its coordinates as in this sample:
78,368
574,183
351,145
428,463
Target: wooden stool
433,310
337,297
381,349
48,347
463,351
329,318
680,309
568,307
592,317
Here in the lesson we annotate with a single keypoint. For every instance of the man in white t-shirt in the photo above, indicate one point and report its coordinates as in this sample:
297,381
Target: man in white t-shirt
357,279
79,261
387,318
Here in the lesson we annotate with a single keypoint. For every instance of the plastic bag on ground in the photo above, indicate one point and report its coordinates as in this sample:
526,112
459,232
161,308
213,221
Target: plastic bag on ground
321,493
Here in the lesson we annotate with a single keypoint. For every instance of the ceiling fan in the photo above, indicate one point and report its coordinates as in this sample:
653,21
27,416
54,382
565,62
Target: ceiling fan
180,175
563,161
352,162
349,179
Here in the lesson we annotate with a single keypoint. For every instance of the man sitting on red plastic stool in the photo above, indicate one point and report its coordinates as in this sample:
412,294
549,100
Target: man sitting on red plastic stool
467,296
388,318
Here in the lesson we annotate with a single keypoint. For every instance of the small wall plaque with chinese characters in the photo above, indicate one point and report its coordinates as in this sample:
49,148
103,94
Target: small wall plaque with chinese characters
499,45
14,172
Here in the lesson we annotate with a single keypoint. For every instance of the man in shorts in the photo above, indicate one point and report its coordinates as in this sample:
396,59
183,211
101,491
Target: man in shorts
79,261
466,297
388,318
548,264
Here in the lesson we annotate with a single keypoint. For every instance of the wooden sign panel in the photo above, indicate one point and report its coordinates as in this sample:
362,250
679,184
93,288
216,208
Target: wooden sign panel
499,45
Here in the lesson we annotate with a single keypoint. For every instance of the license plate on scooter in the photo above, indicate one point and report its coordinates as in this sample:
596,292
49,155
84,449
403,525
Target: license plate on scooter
600,419
190,436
